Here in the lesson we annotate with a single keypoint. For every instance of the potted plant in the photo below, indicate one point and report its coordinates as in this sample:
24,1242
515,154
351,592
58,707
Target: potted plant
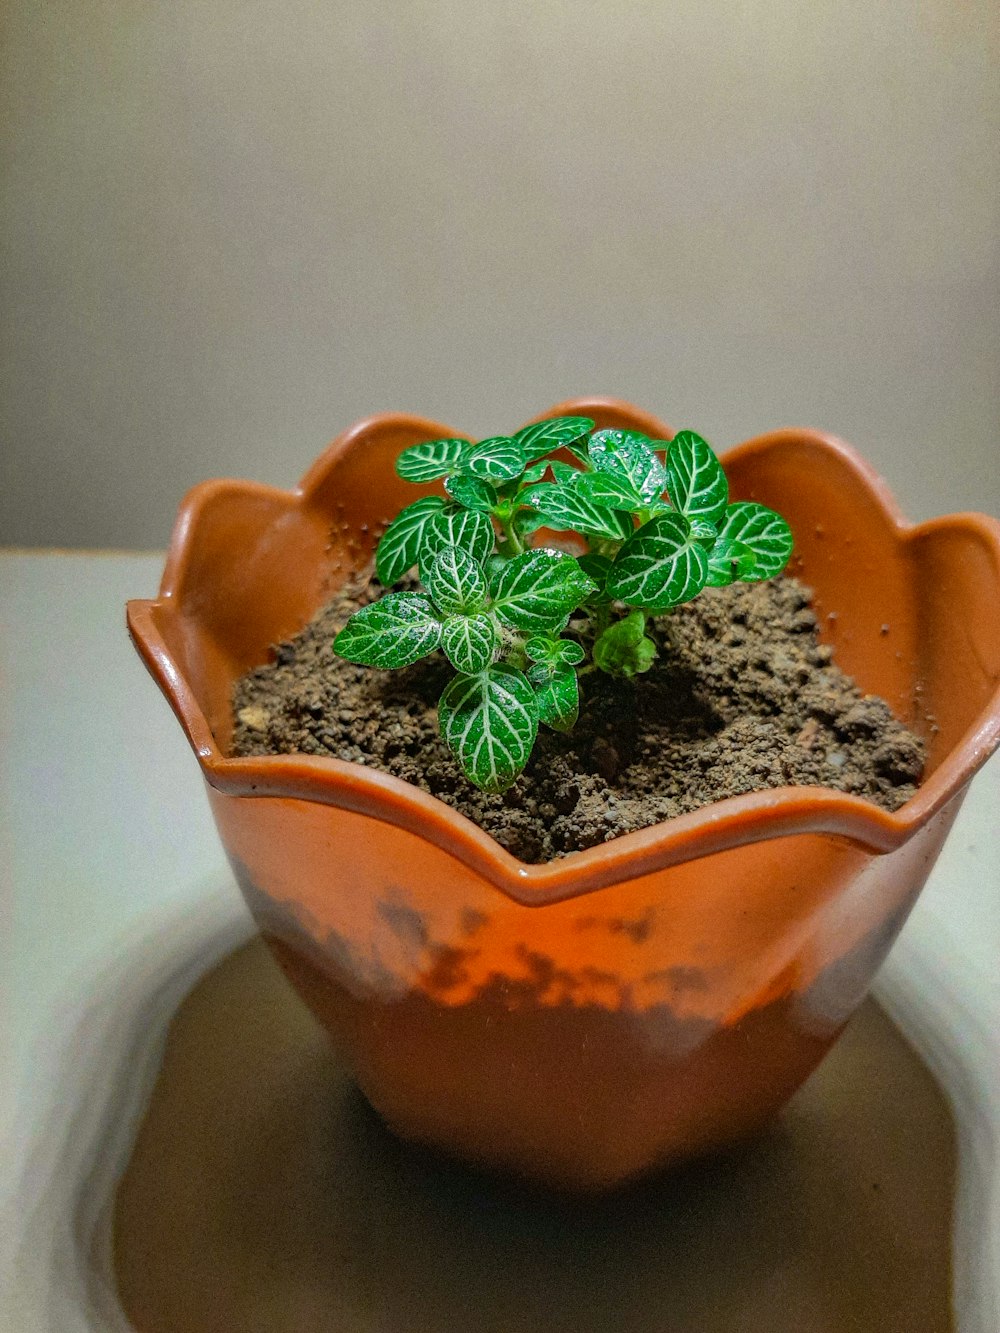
498,605
585,1020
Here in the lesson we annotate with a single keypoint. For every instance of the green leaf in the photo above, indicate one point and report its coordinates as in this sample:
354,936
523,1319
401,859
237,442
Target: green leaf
597,568
547,648
400,545
695,479
538,589
563,472
557,697
432,459
535,473
496,459
604,488
629,456
493,567
467,528
471,493
526,521
704,532
489,721
763,532
470,642
564,508
660,566
541,648
544,437
729,560
624,649
398,629
456,582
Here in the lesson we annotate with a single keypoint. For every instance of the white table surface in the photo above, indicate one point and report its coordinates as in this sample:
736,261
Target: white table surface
117,897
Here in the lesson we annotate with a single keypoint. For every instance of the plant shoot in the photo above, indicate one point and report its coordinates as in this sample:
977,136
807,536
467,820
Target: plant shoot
520,621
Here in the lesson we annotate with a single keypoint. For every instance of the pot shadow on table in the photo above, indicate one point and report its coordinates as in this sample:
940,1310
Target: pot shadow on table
264,1195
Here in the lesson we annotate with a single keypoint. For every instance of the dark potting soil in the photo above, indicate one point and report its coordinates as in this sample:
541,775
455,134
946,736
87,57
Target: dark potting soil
742,697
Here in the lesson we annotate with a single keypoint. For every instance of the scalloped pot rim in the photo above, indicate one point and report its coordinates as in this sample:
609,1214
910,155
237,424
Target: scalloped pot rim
778,812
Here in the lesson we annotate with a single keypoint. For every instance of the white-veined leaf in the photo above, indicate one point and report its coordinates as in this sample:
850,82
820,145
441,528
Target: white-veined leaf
471,493
467,528
609,490
629,456
470,642
564,508
557,696
540,648
544,437
704,532
695,479
549,648
533,474
538,589
496,459
398,629
563,472
660,566
729,560
400,545
490,721
456,582
431,459
763,532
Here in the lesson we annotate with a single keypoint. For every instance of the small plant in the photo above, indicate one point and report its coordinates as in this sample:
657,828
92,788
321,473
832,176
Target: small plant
519,622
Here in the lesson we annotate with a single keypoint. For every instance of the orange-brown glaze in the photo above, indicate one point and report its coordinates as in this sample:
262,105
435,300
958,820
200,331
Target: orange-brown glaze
584,1020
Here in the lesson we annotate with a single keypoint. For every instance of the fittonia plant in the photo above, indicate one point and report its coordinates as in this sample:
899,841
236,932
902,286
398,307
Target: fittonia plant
521,623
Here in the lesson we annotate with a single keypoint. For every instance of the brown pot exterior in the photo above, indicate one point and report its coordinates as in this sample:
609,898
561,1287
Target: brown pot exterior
585,1021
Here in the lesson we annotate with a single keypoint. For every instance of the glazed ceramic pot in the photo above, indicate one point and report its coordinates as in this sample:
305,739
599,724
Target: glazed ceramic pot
587,1020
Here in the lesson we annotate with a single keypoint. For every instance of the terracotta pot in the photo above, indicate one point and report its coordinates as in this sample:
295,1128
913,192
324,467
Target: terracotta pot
584,1021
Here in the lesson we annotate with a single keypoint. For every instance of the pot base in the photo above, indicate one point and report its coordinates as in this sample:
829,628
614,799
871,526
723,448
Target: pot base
263,1195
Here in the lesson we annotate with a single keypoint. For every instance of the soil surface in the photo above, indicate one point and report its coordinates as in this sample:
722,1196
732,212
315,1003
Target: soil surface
741,697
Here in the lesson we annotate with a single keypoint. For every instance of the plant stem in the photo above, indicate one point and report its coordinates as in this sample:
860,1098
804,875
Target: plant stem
512,544
514,653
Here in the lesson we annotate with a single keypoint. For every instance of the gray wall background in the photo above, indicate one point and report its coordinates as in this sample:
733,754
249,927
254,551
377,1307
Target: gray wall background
231,229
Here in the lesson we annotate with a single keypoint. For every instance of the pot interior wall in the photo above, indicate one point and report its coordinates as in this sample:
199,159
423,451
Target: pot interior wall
900,615
260,562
